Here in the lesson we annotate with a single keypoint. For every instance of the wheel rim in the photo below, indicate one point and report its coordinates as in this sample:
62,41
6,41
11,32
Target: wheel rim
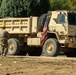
11,47
50,47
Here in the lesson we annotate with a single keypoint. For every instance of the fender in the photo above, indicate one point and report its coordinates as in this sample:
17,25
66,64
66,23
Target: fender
53,35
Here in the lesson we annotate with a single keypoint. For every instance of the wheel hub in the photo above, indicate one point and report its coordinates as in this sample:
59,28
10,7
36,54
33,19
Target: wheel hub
50,48
11,46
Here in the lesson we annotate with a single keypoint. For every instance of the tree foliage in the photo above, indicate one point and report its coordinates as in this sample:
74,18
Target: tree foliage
23,8
14,8
0,2
59,5
38,7
72,4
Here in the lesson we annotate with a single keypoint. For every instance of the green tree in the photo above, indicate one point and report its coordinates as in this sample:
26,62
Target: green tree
23,8
14,8
44,6
72,4
3,9
59,5
0,2
34,8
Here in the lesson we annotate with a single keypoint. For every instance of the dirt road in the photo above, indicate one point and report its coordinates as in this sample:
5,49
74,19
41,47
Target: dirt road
38,66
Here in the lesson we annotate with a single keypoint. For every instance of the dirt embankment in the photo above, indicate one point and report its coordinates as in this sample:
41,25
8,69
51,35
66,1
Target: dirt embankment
37,66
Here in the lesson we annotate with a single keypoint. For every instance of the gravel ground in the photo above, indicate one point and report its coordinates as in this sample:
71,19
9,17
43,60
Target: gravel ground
37,66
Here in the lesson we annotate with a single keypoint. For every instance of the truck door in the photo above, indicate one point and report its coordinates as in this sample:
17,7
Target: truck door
60,24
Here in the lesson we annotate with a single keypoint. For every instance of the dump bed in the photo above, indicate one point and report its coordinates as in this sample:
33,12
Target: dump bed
20,25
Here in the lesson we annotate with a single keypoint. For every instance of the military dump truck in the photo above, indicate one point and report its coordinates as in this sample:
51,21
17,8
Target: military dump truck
48,34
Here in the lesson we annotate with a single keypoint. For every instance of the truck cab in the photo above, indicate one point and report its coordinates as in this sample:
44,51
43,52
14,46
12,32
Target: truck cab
62,32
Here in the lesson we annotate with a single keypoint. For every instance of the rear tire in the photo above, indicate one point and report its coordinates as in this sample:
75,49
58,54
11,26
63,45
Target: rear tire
51,47
13,46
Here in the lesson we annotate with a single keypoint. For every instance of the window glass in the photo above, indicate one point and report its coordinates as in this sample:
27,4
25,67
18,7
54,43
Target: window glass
61,18
72,18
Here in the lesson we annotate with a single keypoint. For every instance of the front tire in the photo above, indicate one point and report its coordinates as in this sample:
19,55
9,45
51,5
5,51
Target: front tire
51,47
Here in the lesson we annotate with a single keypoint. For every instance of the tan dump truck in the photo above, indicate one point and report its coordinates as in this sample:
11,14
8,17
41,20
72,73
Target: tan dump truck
26,34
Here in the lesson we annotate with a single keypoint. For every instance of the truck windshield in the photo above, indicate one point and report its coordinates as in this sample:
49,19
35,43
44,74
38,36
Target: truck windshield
72,18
